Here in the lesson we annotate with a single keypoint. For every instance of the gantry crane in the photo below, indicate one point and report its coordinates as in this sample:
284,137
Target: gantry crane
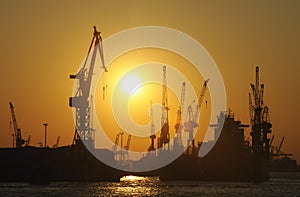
178,125
164,135
17,130
82,97
260,120
152,130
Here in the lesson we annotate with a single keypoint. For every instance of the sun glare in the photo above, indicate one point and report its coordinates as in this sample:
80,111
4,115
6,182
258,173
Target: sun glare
132,178
130,83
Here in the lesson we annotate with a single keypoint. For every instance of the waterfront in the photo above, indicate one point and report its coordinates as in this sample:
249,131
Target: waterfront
280,184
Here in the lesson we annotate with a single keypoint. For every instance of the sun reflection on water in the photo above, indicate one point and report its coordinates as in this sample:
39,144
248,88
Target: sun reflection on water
137,186
132,178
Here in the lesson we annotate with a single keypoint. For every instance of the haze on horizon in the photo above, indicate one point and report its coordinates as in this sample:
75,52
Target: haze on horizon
42,42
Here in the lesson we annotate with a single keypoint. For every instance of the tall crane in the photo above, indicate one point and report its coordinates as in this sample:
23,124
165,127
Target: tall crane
152,136
259,118
178,125
164,135
17,130
82,97
192,118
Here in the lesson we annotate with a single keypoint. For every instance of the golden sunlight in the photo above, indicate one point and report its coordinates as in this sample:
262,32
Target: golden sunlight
130,83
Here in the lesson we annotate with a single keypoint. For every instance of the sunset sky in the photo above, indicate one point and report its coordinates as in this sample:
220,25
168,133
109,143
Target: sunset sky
42,42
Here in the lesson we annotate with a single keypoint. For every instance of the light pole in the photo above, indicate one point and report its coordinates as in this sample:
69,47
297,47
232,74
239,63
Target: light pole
45,124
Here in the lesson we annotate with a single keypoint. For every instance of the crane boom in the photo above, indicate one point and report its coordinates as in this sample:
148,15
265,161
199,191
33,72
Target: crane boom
200,100
280,145
271,141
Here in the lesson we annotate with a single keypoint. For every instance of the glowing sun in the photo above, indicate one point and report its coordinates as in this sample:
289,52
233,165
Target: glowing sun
130,83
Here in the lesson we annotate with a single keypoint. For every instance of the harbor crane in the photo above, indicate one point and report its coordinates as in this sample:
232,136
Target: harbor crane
259,118
17,130
178,125
152,130
164,138
81,100
193,118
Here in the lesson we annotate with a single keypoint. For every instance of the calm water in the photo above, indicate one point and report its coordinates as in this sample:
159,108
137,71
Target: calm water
278,185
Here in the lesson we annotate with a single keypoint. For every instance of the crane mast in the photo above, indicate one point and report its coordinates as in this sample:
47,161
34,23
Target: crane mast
164,135
17,130
200,100
82,97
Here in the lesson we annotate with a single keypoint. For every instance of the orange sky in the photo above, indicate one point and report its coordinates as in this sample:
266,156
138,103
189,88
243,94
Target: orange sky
42,42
